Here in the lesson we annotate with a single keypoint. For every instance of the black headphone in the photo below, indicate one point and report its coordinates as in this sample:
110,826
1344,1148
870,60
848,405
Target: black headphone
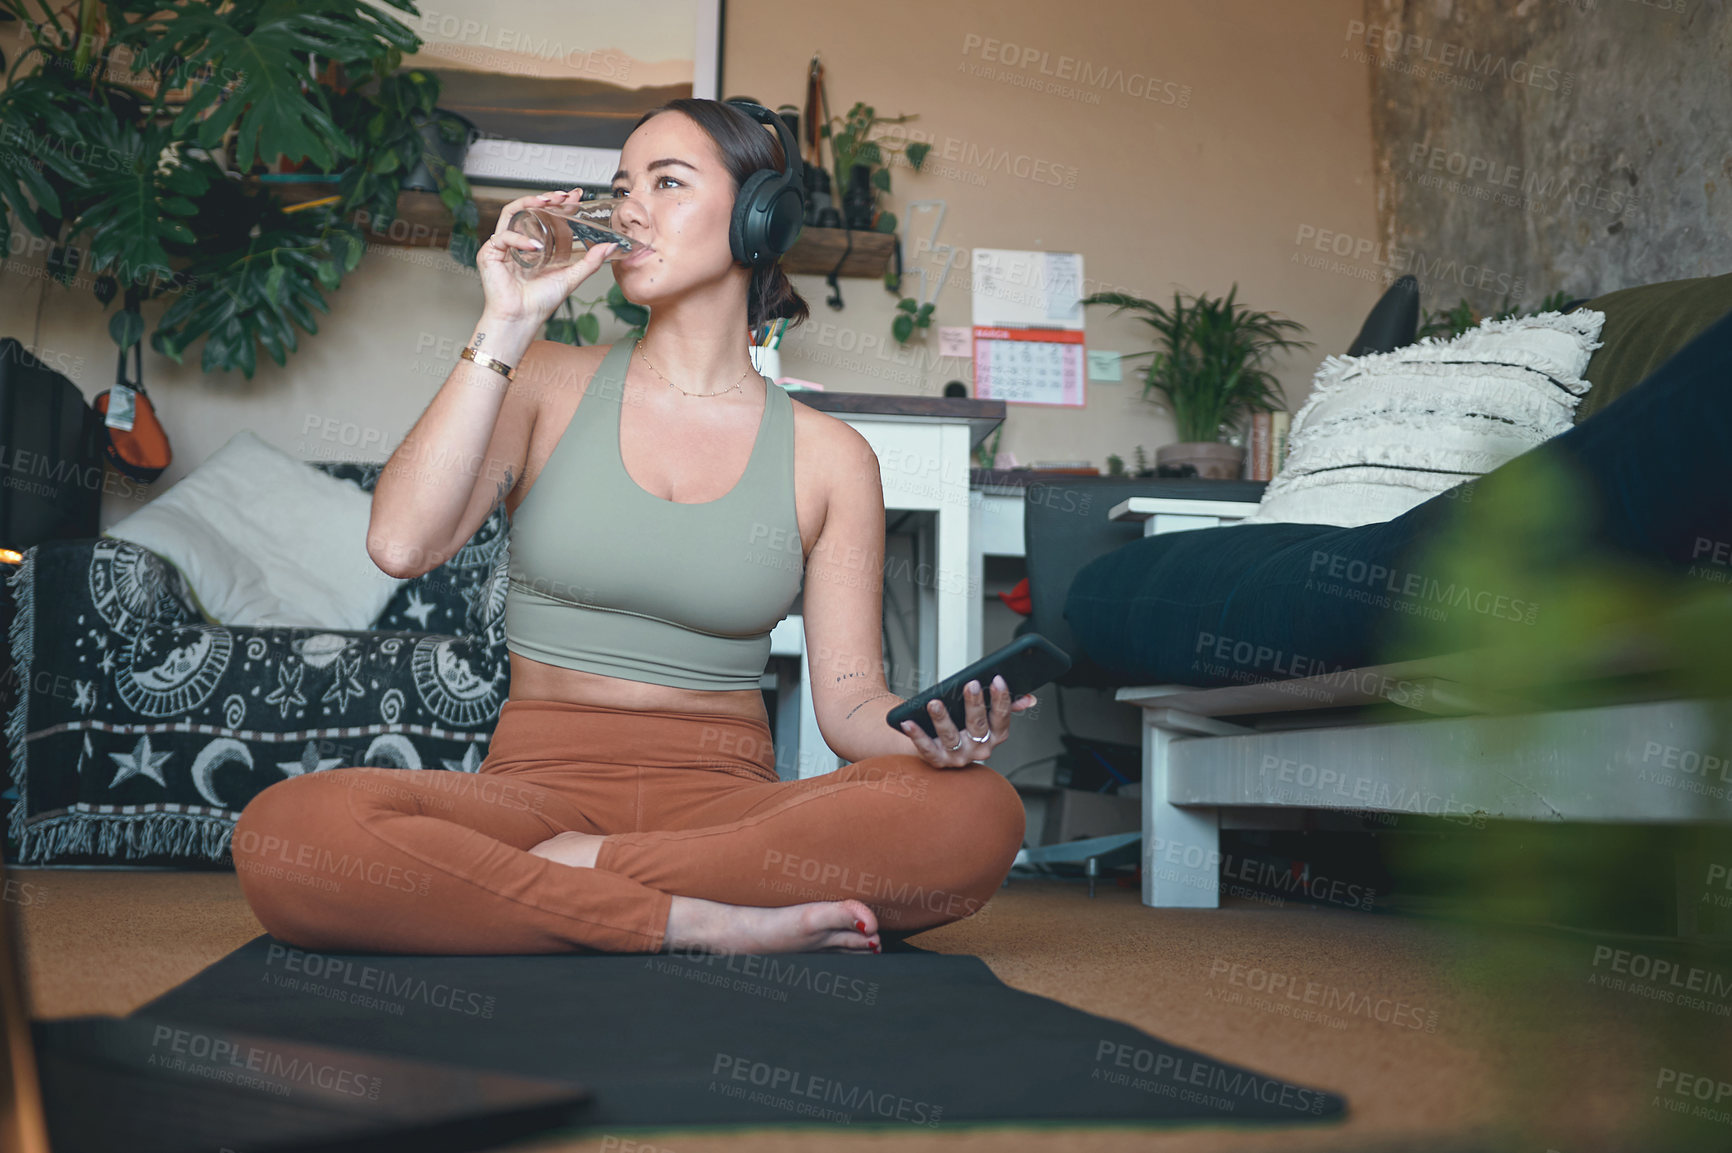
771,206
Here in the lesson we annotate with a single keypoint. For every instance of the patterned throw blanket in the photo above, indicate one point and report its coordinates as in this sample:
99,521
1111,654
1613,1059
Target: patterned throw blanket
140,730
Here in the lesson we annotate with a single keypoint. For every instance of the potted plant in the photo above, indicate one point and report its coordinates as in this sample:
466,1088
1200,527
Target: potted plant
862,171
410,142
584,327
1209,366
1452,322
851,149
126,132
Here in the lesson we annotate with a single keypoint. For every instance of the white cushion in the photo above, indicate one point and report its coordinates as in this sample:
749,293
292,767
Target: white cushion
264,538
1380,434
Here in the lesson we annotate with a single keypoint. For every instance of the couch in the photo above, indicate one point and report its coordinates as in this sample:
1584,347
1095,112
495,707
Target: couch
141,730
1417,736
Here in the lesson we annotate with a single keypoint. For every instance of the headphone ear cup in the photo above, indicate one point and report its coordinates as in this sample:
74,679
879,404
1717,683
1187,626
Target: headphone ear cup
787,218
747,230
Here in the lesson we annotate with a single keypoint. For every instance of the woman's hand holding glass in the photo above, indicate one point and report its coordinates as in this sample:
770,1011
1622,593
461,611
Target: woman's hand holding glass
516,296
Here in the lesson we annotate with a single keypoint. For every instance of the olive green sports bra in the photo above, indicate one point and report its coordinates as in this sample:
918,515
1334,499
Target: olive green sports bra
609,578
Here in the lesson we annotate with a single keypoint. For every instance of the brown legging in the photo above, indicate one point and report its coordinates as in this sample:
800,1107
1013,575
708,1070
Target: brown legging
392,860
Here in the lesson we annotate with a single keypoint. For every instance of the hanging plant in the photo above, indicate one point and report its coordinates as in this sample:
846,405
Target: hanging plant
147,193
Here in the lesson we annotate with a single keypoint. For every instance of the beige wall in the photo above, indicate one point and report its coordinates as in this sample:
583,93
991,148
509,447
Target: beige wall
1271,142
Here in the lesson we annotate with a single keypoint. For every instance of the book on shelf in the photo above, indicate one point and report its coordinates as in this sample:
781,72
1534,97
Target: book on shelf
1280,425
1257,448
1266,444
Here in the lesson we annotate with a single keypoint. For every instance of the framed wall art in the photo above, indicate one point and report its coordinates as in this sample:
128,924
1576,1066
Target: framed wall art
553,87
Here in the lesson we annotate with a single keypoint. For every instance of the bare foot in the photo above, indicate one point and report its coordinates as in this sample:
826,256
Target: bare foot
576,849
818,926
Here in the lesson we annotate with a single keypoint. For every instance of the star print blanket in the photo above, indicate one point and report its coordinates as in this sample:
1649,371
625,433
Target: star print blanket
140,730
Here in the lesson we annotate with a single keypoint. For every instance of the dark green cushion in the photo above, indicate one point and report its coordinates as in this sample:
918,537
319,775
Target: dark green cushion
1644,327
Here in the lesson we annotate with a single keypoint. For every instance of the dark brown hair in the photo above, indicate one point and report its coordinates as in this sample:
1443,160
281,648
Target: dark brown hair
745,146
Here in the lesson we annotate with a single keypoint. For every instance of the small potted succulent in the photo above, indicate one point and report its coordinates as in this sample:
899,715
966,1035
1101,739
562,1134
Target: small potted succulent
1209,367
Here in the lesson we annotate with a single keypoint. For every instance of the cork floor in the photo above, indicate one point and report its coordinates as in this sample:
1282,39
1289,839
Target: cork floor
1453,1064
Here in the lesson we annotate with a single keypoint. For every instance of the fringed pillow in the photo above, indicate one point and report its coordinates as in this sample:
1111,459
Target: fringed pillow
1382,433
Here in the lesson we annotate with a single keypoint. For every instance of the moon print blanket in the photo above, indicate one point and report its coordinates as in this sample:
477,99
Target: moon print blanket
139,729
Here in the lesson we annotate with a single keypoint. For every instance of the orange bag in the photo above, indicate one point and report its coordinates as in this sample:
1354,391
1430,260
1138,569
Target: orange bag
142,451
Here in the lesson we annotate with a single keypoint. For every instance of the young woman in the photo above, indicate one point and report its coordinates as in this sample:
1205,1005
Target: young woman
667,503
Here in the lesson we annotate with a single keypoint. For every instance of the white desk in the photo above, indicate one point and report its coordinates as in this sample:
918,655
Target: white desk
923,461
924,447
996,530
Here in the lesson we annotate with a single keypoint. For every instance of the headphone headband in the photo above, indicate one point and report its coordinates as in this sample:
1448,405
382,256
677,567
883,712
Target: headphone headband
770,209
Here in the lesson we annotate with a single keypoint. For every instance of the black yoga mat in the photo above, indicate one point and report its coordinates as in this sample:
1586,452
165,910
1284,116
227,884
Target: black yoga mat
906,1038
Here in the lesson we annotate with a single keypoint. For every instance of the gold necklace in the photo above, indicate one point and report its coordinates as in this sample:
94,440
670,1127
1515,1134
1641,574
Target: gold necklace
677,388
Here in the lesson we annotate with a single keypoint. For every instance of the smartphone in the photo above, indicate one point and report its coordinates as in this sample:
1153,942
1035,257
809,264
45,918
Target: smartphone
1026,664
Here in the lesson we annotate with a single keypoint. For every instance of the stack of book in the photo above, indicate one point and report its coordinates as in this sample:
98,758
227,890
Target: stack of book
1266,449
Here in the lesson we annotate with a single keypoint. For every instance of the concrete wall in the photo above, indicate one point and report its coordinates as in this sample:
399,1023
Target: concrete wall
1257,141
1525,148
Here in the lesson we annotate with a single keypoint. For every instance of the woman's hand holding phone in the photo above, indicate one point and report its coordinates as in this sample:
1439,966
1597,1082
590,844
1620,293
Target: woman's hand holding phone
986,729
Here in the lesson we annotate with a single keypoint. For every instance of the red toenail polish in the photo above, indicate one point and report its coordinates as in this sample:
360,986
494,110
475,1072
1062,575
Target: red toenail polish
860,925
875,947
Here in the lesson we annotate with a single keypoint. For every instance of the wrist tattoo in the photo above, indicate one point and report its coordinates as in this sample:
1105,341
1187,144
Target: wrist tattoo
503,488
864,703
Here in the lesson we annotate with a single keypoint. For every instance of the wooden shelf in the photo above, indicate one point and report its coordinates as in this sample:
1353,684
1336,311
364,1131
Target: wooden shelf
423,222
817,250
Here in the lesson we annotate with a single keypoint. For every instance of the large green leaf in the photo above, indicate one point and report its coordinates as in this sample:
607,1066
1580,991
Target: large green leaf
254,60
260,294
39,117
136,201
